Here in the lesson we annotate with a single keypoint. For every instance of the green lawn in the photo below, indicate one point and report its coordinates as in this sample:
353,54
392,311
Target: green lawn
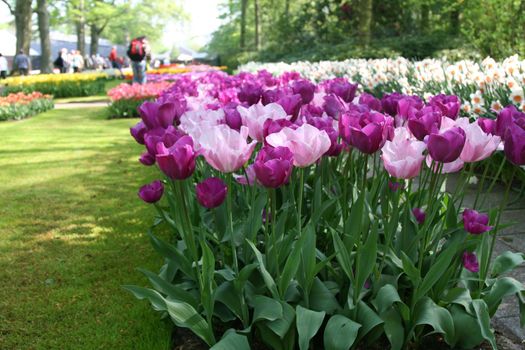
71,233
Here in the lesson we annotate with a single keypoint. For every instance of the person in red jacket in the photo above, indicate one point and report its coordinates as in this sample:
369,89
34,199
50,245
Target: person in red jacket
114,59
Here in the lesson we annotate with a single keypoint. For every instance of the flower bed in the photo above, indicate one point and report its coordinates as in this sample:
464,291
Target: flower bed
302,214
19,105
58,85
483,87
126,98
170,72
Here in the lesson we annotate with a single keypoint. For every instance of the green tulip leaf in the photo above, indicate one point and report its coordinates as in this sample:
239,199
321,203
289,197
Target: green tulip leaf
308,323
340,333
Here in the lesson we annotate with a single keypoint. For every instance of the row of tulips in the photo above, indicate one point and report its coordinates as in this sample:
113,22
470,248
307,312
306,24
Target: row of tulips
126,98
302,214
58,85
18,106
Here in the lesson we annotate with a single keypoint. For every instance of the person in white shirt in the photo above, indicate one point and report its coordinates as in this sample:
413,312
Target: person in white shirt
3,67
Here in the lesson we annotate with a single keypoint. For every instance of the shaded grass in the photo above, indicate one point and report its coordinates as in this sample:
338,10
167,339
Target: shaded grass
71,233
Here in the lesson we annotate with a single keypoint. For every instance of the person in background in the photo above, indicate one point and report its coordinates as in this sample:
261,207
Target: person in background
139,52
60,62
77,62
22,63
3,67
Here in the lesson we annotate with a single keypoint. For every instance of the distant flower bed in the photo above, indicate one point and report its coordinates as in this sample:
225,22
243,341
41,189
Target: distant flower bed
125,98
483,87
20,105
170,72
58,85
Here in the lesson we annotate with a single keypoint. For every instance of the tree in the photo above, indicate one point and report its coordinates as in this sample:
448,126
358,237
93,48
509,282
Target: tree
365,21
21,10
244,5
45,42
257,26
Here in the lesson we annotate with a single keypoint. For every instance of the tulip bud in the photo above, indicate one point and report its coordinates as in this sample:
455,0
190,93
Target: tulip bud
211,192
151,193
474,222
470,262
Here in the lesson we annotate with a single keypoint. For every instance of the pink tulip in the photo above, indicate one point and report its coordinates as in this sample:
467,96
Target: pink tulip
402,157
226,149
255,116
307,143
447,168
479,145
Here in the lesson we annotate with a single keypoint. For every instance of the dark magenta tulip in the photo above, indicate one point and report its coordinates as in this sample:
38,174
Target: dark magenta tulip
138,131
470,262
151,193
273,166
446,147
448,104
419,214
515,142
177,161
474,222
250,93
305,89
487,125
370,101
424,122
333,106
233,118
147,159
342,88
291,105
211,192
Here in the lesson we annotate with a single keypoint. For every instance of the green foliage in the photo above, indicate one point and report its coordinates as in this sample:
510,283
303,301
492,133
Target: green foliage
330,30
61,88
20,111
124,108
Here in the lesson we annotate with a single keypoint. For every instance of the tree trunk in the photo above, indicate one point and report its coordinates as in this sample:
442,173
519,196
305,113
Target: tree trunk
23,12
454,21
45,42
95,35
81,29
257,26
365,21
244,4
425,16
286,8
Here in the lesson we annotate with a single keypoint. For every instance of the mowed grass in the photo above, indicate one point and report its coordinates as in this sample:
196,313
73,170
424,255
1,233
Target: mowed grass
72,232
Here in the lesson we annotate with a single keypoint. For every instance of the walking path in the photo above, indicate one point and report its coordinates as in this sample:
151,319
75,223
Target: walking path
78,105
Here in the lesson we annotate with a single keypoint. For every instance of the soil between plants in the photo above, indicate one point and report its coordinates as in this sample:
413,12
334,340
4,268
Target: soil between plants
183,339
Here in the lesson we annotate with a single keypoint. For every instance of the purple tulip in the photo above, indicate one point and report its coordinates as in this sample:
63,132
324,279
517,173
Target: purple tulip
449,105
211,192
147,159
250,93
505,119
470,262
487,125
273,166
366,131
233,118
138,132
394,185
408,106
474,222
148,112
333,106
424,122
272,126
419,214
342,88
151,193
389,103
370,101
291,105
515,143
305,89
270,96
446,147
177,161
